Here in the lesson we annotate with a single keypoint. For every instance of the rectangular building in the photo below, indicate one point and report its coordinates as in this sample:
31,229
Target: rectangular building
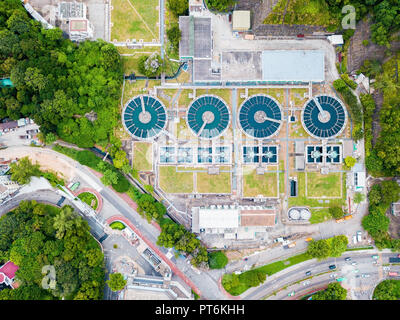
293,65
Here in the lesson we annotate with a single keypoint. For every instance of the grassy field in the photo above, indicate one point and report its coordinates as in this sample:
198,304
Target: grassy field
175,182
324,185
320,215
135,19
184,99
304,12
142,156
255,184
89,198
138,87
168,92
215,183
318,207
297,96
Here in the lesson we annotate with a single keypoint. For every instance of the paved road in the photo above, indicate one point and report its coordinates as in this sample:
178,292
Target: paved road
360,288
113,205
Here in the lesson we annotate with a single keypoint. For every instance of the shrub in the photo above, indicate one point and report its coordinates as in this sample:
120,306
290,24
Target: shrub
217,260
349,82
117,225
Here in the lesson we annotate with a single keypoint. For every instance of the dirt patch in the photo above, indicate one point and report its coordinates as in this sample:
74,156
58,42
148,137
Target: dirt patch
358,52
394,226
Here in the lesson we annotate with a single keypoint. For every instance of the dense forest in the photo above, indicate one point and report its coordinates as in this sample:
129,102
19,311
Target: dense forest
57,82
35,235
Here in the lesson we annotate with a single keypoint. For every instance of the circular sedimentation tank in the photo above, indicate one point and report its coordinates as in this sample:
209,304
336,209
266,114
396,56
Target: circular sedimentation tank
260,116
324,117
144,117
208,117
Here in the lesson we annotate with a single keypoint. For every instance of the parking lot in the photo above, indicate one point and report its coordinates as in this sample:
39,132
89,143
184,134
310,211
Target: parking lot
12,138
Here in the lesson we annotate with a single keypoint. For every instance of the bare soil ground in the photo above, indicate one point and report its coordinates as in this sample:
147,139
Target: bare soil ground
394,226
358,52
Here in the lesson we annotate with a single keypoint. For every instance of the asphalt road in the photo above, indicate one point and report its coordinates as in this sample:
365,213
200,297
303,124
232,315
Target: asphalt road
294,279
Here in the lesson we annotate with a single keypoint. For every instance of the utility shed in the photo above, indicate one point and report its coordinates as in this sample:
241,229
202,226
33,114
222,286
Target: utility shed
241,20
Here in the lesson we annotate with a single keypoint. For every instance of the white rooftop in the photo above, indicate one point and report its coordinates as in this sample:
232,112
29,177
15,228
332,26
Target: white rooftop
293,65
218,218
336,39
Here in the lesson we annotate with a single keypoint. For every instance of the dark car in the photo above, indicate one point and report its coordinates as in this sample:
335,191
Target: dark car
308,273
347,259
332,266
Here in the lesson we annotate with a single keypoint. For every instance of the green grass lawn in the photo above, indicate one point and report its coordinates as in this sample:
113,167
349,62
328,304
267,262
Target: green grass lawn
255,184
142,156
318,207
320,215
324,185
297,96
134,19
89,198
184,99
305,12
175,182
215,183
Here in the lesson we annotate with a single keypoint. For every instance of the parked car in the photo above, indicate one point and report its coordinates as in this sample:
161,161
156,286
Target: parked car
32,131
332,267
308,273
24,137
359,236
347,259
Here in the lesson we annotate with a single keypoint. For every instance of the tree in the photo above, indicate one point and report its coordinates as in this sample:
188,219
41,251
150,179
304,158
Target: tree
350,162
151,66
359,197
334,292
390,191
174,36
387,290
50,138
217,260
220,5
109,177
64,221
375,194
116,282
319,249
23,170
178,7
336,212
338,245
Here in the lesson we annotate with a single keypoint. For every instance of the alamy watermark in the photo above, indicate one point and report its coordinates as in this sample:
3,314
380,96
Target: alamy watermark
49,279
349,20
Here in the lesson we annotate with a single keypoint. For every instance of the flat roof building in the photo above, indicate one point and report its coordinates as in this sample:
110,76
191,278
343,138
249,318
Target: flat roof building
241,20
293,65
